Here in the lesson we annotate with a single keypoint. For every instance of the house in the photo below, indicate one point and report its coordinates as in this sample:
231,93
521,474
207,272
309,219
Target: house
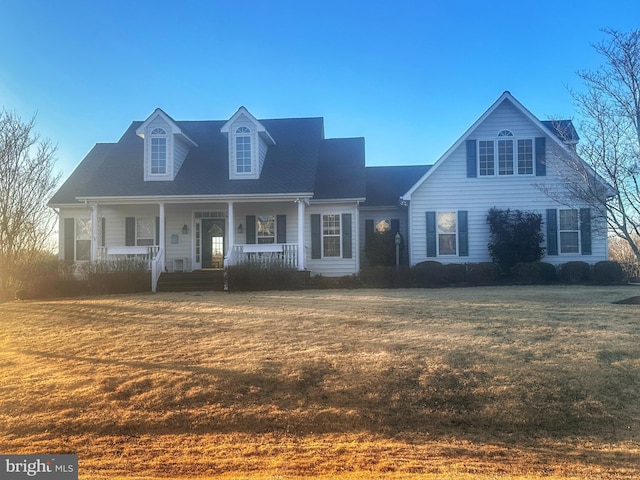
192,195
510,160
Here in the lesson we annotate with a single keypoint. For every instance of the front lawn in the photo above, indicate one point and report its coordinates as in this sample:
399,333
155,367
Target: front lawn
516,382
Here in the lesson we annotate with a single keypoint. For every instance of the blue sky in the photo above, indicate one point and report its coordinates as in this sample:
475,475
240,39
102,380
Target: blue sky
408,76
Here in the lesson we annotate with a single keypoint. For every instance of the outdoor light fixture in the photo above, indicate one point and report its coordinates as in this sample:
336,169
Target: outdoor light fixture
185,229
240,228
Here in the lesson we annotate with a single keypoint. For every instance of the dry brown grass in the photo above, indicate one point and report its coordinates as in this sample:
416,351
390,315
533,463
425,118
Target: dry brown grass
475,383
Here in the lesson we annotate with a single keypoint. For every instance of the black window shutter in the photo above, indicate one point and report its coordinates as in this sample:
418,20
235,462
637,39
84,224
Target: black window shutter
463,233
347,242
316,241
395,226
281,228
157,242
69,239
472,169
251,228
552,231
368,229
541,164
103,234
585,231
130,231
431,234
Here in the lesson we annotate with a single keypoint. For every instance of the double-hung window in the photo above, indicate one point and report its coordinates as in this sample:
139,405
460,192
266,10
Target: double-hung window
447,233
243,150
569,230
331,235
266,228
83,239
525,156
486,155
158,151
145,231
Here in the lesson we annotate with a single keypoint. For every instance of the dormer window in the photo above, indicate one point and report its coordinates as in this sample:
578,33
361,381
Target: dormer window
248,144
158,151
243,150
506,155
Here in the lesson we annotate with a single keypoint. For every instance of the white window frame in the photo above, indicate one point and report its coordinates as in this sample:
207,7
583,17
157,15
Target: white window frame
245,134
156,135
266,239
333,235
572,231
83,233
440,232
152,238
491,160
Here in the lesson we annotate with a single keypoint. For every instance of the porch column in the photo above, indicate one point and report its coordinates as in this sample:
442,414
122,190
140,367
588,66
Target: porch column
231,234
94,232
162,233
301,210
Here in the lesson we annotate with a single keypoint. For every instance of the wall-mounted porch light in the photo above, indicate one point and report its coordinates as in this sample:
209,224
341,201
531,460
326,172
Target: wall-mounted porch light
240,228
185,229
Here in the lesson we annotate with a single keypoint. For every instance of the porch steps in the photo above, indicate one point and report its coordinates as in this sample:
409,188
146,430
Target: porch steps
199,280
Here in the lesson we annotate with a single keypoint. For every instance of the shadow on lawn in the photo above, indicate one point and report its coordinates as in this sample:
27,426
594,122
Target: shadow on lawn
456,398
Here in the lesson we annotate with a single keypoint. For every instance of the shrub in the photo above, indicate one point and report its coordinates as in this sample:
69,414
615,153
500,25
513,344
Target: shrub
575,272
454,273
533,273
380,248
427,274
385,277
516,237
254,278
606,272
483,273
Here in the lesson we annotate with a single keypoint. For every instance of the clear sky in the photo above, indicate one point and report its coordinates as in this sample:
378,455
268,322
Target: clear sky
408,76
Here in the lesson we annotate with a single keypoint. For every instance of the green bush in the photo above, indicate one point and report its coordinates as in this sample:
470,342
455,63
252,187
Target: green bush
608,273
516,237
427,274
385,277
575,272
531,273
483,273
254,278
454,273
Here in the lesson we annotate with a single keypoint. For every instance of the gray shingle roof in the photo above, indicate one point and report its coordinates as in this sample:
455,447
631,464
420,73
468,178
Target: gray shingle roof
385,185
301,161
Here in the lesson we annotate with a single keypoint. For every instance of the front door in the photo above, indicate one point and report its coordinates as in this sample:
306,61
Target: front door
212,243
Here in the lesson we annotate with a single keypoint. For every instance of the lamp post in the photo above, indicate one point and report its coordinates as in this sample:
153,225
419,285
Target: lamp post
398,239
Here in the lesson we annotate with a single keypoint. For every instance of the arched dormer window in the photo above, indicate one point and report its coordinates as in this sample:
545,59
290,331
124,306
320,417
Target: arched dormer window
158,151
243,150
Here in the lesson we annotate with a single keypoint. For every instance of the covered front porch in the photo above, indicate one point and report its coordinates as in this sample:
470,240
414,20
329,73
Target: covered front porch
183,236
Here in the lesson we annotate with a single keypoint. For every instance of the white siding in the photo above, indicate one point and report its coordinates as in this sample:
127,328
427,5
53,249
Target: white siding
449,189
180,151
332,266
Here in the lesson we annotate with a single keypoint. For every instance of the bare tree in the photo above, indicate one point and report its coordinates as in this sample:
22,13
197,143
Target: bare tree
609,111
27,181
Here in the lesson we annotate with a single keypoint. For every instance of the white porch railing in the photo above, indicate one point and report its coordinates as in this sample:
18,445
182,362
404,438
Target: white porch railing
284,255
157,267
114,254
